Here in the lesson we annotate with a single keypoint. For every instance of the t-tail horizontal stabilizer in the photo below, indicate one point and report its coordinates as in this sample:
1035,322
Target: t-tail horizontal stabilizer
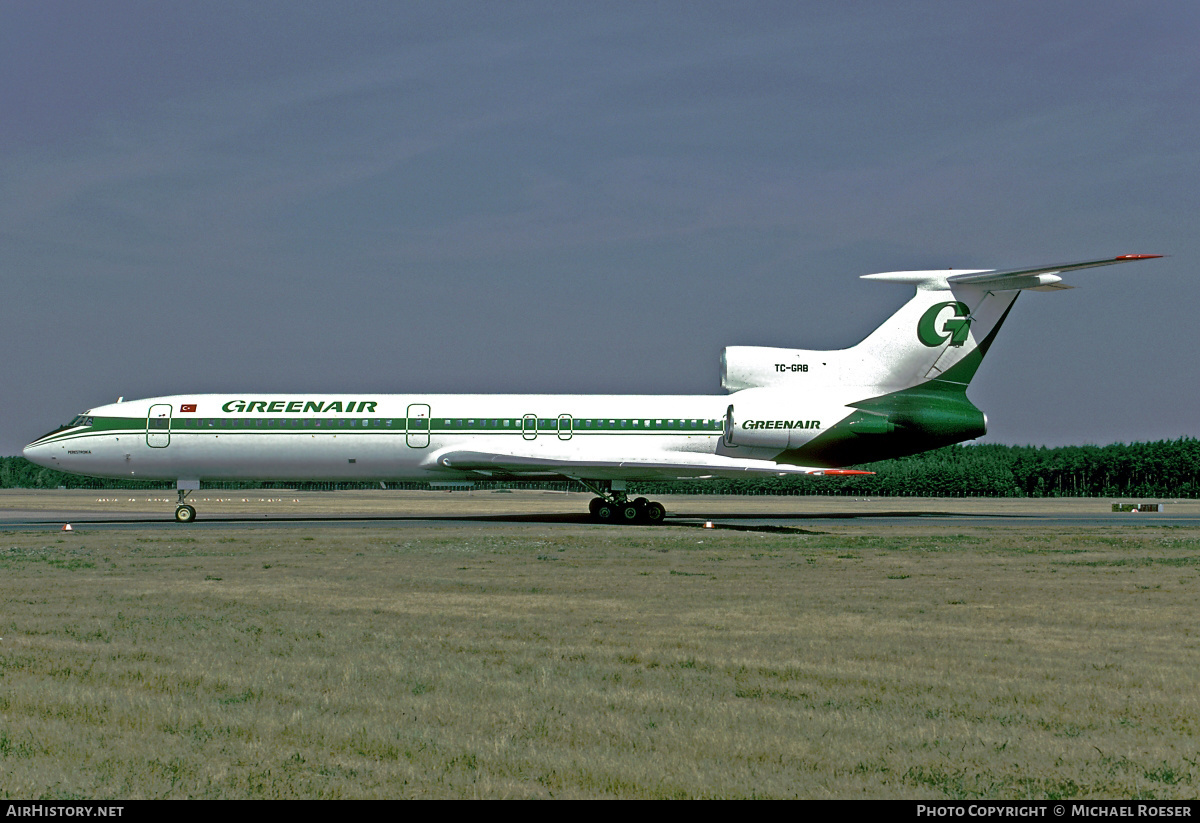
1037,278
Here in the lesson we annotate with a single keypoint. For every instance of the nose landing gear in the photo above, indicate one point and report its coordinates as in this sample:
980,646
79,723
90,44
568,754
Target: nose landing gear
183,512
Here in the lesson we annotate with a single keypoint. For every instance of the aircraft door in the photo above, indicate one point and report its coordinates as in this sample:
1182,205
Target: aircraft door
158,426
566,426
529,427
416,426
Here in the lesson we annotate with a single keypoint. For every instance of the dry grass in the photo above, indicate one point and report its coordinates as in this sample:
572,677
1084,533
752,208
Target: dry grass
582,661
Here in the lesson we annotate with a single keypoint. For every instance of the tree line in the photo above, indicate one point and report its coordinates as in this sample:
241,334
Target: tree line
1165,468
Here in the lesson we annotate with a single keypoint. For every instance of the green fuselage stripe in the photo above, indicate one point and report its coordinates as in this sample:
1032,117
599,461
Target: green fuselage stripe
392,425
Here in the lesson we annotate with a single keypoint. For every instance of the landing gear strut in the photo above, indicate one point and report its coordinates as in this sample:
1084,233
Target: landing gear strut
184,513
613,506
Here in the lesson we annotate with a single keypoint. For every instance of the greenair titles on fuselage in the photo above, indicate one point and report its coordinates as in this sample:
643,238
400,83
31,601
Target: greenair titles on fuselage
299,406
782,424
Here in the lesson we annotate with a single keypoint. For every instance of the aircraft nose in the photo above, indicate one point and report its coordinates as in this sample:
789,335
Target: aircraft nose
38,453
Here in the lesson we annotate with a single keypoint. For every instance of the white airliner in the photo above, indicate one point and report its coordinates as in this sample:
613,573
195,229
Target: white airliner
900,391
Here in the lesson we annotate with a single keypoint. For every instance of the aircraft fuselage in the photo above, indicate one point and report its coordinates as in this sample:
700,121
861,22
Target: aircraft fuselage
400,437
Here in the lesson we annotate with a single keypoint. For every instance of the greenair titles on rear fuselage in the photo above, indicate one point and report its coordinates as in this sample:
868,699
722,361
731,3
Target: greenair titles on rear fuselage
782,424
299,406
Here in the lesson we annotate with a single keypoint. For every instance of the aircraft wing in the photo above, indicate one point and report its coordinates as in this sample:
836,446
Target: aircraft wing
675,466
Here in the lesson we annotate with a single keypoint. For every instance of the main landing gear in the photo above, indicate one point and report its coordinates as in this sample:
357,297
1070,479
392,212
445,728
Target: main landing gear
184,513
612,506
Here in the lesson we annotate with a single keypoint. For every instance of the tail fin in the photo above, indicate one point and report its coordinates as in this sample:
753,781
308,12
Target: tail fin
941,334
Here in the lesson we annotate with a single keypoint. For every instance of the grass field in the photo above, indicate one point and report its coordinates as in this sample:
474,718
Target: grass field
528,660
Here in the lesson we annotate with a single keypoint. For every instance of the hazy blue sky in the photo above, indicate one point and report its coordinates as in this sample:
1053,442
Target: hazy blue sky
588,197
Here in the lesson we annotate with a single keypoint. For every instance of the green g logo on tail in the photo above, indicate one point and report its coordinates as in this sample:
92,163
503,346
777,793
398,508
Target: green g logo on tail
955,328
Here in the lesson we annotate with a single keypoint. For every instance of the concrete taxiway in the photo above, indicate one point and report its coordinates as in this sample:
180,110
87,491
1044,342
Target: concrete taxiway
22,509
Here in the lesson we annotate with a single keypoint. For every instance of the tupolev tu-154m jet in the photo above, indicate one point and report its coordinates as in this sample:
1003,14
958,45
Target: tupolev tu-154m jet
900,391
